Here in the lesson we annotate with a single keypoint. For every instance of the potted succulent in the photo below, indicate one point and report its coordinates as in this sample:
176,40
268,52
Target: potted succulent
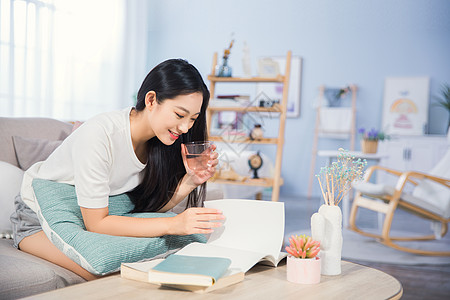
369,139
303,264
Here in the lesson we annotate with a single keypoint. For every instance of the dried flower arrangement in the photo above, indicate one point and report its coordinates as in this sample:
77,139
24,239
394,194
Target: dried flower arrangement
338,177
227,51
303,246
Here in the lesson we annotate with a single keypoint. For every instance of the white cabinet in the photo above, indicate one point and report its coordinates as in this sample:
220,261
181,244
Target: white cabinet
411,153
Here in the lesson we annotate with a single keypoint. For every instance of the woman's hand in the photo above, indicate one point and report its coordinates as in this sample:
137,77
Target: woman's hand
196,220
200,176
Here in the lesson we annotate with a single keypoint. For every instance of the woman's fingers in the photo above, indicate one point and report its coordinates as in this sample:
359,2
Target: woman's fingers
207,214
205,219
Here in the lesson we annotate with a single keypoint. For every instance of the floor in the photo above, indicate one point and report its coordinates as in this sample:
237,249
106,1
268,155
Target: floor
419,282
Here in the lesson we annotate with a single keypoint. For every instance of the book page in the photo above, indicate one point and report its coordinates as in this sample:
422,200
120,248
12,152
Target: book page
253,231
251,225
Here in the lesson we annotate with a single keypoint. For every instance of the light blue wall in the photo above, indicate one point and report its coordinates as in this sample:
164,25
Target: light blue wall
341,42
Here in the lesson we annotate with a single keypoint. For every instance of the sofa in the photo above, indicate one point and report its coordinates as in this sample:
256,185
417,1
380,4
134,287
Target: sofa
24,141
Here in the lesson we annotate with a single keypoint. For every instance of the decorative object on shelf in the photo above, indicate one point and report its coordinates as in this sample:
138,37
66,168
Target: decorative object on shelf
326,225
405,105
257,132
267,67
303,264
229,135
267,102
255,162
369,139
246,64
274,90
226,172
444,101
225,70
334,96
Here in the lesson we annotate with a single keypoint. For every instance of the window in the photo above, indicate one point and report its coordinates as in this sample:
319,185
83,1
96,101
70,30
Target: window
65,59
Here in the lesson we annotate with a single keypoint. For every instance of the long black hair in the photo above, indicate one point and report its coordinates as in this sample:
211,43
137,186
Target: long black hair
165,168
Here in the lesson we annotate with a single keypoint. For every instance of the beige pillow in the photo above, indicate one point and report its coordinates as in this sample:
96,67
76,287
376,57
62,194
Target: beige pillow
30,150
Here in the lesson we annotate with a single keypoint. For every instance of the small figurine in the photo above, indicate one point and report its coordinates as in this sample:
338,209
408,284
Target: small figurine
255,162
257,132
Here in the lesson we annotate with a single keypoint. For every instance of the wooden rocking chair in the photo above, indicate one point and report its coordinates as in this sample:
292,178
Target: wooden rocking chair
430,199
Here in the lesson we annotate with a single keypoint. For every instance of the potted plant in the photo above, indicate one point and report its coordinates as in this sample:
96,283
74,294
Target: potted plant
369,139
303,264
444,100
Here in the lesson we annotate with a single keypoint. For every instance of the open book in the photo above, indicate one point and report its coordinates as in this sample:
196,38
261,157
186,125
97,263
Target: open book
251,233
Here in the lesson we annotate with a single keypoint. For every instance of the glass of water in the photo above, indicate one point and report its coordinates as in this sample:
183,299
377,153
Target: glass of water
198,155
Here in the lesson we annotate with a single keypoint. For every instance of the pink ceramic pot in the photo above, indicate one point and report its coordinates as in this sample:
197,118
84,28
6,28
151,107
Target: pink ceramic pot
305,271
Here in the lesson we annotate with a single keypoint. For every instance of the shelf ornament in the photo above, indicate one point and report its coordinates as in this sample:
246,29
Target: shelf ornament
225,70
326,225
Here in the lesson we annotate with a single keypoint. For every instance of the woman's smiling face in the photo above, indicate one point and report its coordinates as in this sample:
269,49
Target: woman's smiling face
174,117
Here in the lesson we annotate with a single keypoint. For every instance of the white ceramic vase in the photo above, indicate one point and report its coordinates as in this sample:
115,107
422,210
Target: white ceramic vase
326,227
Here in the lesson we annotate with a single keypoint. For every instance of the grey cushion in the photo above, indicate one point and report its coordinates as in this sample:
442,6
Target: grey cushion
376,190
41,128
373,189
29,150
24,275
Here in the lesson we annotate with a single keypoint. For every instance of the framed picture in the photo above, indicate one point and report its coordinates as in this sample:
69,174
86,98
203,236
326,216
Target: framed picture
274,91
405,105
267,67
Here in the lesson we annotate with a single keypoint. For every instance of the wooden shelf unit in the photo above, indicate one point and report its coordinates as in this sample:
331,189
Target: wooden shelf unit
275,108
246,141
281,109
279,78
267,182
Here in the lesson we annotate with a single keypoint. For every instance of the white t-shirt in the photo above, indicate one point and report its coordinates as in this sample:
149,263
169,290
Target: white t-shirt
98,158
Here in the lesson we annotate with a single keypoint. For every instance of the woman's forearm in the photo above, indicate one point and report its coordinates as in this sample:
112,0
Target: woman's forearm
100,221
193,220
135,227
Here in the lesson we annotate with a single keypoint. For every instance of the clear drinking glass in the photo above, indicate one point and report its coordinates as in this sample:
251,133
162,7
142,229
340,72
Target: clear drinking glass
198,155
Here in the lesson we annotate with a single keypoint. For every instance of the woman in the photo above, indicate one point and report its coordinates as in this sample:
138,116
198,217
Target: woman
138,151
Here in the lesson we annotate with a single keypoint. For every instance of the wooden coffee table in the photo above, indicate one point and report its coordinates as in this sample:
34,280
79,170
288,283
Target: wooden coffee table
261,282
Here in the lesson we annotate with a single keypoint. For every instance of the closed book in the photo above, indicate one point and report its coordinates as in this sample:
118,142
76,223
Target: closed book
140,271
189,270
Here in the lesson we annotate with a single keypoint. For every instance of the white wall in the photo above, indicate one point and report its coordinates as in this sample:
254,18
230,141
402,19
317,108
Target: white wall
341,42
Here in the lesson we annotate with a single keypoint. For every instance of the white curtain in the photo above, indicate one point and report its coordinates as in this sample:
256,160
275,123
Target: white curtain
69,59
